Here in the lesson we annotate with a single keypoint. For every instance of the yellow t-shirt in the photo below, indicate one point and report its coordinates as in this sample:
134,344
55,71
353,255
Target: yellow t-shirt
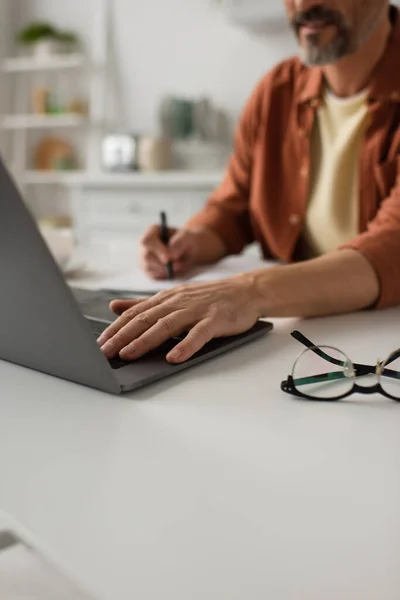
333,209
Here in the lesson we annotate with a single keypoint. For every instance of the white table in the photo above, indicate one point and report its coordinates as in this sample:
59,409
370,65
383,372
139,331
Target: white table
213,485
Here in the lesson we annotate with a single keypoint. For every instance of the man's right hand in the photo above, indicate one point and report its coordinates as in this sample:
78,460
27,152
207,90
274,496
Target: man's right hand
183,250
186,249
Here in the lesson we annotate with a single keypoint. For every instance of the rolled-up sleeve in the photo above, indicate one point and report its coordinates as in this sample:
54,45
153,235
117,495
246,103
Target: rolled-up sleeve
227,210
380,245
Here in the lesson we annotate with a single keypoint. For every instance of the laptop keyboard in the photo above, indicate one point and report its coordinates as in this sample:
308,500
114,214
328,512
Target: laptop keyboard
117,363
97,329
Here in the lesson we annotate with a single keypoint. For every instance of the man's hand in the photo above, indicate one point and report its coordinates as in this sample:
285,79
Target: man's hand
339,282
205,311
186,249
183,251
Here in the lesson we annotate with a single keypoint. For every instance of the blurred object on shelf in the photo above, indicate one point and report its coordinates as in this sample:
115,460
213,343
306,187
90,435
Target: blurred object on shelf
203,120
211,124
58,234
182,119
197,155
154,154
54,106
44,49
45,40
176,118
40,100
68,42
47,102
77,106
40,37
64,162
54,154
119,153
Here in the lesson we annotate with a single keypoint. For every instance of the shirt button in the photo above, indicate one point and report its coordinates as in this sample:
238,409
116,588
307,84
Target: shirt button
294,219
302,132
304,172
314,103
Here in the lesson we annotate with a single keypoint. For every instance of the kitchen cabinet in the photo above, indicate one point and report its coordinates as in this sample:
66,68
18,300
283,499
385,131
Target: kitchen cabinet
112,206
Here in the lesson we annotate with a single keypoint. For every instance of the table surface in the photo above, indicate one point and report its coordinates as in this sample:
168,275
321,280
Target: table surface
213,484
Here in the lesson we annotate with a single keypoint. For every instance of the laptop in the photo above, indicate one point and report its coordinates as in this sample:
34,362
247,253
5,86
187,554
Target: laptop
44,328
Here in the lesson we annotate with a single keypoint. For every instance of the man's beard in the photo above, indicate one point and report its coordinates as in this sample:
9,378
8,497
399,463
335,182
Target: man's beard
341,45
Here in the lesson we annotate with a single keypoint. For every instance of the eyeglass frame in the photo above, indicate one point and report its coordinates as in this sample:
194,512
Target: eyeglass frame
359,370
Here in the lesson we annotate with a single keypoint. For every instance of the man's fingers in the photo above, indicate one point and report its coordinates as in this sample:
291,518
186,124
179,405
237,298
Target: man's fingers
133,309
164,329
197,337
151,242
160,251
133,328
155,255
182,267
120,306
155,268
179,245
158,270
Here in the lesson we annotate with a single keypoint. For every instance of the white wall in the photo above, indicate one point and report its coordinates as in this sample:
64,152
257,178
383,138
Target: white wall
173,46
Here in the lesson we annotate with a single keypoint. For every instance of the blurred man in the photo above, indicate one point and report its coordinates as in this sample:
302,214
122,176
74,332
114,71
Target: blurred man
314,178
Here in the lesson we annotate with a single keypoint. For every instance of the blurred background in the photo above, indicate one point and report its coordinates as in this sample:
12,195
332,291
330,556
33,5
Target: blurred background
112,110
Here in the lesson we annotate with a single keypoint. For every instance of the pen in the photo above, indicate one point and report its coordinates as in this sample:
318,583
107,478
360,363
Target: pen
164,234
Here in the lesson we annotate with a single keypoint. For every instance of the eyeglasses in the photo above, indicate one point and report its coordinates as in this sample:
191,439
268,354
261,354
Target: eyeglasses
310,379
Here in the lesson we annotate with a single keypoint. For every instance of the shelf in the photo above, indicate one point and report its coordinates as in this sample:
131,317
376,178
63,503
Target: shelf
50,177
53,63
42,121
160,180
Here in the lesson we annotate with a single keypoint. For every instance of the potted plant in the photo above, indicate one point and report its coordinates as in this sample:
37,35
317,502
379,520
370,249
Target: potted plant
41,37
68,41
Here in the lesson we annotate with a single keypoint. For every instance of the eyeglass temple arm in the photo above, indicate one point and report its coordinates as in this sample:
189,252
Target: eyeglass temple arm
360,369
308,344
389,372
394,357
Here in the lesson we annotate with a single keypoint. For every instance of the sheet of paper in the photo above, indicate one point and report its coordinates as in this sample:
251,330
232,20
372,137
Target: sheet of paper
137,281
228,267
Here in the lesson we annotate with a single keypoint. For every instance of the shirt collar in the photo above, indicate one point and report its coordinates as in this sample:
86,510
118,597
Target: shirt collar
385,80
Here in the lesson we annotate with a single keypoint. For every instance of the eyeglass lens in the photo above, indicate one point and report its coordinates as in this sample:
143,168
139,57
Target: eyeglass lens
325,374
390,376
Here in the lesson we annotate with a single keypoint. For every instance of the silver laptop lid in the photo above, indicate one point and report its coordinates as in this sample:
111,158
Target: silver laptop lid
41,326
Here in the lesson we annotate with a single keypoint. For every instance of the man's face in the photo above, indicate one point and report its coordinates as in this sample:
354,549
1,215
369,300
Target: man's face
328,30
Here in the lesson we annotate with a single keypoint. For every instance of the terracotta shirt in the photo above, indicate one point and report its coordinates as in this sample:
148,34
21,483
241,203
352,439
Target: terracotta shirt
266,190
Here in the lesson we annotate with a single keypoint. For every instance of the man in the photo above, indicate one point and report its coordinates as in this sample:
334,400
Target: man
314,178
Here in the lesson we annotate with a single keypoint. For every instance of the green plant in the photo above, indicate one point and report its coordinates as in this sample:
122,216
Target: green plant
67,37
35,32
